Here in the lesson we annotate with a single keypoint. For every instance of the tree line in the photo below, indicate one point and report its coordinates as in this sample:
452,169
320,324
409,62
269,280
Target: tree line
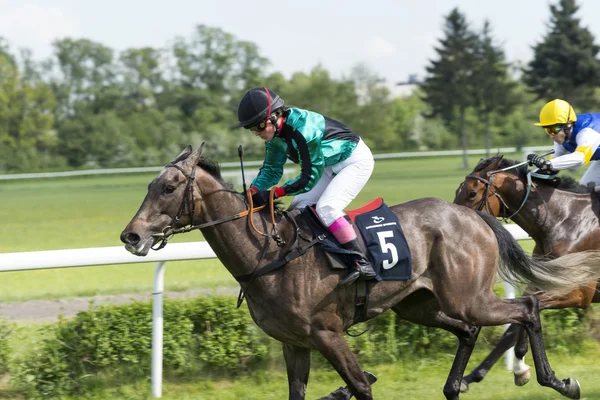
89,106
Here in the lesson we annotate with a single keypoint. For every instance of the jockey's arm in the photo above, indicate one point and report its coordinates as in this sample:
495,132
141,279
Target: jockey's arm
588,141
272,169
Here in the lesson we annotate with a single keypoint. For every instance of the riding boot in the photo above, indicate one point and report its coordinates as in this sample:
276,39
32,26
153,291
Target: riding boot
362,269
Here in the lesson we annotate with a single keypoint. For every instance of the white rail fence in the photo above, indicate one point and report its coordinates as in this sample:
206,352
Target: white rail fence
36,260
115,171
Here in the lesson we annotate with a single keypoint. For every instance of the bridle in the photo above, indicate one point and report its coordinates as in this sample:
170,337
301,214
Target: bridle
484,203
188,198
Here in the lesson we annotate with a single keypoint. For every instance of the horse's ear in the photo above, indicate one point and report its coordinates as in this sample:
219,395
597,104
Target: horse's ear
183,155
195,156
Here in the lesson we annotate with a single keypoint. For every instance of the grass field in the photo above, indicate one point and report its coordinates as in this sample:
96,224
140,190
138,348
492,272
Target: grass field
91,212
418,380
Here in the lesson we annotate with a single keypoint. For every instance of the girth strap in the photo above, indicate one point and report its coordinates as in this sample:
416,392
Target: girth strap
265,269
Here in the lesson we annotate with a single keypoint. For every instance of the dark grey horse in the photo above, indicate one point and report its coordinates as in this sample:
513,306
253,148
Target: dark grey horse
455,252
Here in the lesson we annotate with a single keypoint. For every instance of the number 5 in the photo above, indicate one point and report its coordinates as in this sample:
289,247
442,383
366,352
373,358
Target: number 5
385,247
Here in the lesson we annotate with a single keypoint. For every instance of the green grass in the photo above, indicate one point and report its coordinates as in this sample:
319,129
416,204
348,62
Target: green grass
407,380
91,212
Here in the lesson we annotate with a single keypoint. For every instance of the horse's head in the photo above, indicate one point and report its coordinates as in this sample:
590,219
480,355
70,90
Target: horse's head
476,192
173,200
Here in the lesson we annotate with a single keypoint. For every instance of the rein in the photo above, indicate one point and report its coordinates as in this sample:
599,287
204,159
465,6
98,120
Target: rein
169,231
293,252
484,203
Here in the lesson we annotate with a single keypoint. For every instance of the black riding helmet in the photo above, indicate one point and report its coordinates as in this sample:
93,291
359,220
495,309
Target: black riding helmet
256,106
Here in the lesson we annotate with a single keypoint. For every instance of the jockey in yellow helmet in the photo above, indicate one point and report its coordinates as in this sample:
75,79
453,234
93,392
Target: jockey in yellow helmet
576,140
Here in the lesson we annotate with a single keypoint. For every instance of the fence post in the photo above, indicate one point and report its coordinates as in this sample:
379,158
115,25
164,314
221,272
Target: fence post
509,355
157,329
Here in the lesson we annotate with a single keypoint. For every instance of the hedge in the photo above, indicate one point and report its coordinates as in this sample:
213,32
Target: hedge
210,334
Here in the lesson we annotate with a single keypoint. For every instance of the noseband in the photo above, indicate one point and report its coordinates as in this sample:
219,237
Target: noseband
484,203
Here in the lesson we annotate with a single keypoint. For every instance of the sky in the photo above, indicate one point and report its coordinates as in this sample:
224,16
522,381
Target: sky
394,38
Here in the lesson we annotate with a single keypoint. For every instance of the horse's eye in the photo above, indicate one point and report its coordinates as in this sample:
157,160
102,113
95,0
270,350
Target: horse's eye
472,195
169,189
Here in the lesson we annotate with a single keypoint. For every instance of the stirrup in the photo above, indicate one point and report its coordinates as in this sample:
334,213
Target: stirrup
351,277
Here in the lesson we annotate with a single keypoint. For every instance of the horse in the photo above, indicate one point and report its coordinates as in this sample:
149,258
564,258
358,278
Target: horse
559,214
456,254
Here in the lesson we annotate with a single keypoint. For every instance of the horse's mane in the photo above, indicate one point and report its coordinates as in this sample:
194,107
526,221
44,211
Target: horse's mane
214,169
565,183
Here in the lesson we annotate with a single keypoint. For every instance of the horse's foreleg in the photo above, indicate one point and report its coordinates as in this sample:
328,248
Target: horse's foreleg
466,344
506,342
521,371
335,349
297,361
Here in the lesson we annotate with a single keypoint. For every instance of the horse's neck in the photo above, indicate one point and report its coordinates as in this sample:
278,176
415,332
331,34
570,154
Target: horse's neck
541,213
238,248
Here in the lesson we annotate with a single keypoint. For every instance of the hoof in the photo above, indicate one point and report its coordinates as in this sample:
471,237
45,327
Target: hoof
370,377
523,377
573,389
464,386
343,393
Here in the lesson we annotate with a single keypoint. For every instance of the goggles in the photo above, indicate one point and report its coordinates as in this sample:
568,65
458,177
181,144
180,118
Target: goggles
258,128
554,129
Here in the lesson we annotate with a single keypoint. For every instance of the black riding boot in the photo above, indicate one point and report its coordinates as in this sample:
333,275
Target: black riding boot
363,269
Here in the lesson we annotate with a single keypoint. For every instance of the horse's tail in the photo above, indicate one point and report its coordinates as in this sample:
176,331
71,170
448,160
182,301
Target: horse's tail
564,273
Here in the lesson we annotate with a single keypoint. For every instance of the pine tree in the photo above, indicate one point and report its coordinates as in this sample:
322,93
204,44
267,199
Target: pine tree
448,85
564,63
494,89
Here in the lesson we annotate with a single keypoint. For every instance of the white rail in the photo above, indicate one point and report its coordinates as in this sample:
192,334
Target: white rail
115,171
24,261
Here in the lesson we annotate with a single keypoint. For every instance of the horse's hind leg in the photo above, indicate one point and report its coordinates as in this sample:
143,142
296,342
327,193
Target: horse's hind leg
335,349
423,308
297,361
578,298
490,310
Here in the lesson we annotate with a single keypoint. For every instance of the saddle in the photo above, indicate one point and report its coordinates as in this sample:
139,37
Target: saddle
380,236
381,239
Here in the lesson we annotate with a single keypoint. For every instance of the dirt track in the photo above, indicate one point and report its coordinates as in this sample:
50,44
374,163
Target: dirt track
49,310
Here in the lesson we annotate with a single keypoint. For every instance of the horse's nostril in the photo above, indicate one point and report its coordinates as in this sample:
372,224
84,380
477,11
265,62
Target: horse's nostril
130,238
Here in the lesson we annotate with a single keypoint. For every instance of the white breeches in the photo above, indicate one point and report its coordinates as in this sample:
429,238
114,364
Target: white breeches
339,185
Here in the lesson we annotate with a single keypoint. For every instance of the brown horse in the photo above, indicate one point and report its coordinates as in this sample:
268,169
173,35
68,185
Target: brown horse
455,257
559,215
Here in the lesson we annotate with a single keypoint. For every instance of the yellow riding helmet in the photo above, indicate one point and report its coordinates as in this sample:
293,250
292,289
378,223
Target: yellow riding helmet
555,112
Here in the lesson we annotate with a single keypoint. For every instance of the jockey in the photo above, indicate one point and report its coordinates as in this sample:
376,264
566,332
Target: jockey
576,140
335,164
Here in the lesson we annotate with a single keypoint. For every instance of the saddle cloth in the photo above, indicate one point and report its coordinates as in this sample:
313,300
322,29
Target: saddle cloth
382,239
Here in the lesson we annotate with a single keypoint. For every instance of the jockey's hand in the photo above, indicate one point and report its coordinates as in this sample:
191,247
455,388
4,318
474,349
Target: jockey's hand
539,162
261,198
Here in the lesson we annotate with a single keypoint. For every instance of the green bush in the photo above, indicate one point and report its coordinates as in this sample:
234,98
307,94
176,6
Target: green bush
210,334
564,330
5,330
109,339
226,337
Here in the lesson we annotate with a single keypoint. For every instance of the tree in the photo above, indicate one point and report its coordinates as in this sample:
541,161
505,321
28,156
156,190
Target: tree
84,79
212,69
494,89
25,118
448,86
142,78
565,63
